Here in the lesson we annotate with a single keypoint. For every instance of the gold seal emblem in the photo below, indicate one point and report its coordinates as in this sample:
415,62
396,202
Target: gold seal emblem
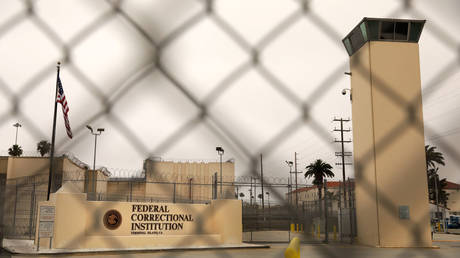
112,219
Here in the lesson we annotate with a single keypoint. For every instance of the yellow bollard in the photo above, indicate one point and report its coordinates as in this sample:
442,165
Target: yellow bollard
439,227
335,232
292,227
296,227
318,232
293,249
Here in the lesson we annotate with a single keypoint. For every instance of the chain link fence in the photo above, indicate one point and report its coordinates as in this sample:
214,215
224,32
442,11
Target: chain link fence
24,194
154,56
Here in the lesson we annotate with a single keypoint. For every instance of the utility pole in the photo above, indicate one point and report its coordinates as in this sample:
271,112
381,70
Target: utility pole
250,193
326,231
342,154
262,183
255,191
436,181
290,163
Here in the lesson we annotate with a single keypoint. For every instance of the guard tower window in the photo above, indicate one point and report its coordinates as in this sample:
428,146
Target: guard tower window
386,30
348,46
356,39
401,30
415,30
363,30
374,29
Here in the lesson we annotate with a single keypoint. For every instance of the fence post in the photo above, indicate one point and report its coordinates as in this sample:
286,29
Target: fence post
340,212
130,191
190,190
32,208
174,192
15,204
326,239
215,186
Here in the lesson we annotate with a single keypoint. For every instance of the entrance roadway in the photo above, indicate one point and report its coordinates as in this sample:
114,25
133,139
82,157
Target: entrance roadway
449,247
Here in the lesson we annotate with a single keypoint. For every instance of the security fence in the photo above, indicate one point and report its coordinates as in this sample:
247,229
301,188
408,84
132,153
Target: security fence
2,200
155,59
20,206
318,220
259,215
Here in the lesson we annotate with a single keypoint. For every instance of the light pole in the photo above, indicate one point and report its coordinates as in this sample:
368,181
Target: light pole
268,200
17,125
220,152
99,131
237,192
290,164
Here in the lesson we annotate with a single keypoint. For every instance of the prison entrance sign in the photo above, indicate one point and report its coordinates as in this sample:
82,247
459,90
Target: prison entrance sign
82,224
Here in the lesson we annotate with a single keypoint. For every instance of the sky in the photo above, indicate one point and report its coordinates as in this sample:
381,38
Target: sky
167,80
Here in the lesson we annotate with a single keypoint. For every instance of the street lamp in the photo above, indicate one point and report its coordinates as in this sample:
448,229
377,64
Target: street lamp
17,125
344,92
220,152
96,134
290,164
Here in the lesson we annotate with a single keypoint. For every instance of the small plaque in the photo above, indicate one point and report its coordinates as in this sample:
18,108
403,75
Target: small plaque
47,213
112,219
404,212
45,229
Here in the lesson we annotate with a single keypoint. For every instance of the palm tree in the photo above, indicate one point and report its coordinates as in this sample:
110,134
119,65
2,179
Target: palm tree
319,170
15,151
433,157
43,147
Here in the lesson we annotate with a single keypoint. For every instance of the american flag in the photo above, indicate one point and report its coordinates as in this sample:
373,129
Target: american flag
65,108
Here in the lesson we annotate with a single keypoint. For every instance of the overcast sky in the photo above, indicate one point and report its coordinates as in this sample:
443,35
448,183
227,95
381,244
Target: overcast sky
112,83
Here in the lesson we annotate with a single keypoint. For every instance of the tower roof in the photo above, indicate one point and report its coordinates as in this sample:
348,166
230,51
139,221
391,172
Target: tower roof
380,29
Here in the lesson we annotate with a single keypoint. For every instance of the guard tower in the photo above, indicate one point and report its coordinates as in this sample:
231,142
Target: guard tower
391,191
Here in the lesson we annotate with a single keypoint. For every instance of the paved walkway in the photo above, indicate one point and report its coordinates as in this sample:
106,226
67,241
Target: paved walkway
448,249
277,250
446,237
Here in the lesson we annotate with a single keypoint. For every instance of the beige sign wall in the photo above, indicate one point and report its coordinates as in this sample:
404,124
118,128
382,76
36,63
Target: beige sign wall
391,185
80,223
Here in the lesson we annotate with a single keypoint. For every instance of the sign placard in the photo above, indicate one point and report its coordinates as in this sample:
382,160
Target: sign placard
404,212
47,213
45,229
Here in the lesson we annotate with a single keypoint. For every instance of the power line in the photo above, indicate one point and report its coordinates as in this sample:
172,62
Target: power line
448,133
448,112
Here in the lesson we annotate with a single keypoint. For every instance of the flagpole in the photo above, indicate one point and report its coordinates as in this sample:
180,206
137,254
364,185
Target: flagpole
54,134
